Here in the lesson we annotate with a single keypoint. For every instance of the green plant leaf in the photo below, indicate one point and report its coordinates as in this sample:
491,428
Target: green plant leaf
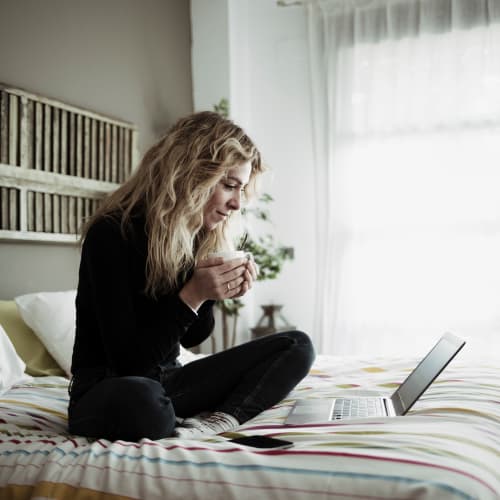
222,107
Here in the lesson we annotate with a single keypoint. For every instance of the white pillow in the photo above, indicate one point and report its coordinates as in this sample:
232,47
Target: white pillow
52,316
11,365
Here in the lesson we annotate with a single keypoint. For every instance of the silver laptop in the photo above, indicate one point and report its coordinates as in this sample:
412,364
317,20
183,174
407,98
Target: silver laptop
320,410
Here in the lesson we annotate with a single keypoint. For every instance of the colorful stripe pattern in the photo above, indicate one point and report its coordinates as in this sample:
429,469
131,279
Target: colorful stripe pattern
448,447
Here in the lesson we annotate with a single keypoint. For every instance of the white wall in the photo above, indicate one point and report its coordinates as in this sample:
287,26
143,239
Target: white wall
209,52
269,97
126,58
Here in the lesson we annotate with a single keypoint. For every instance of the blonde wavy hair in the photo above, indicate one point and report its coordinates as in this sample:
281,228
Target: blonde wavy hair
170,188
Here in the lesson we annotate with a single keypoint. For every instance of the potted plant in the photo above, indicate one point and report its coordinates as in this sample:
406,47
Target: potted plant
269,255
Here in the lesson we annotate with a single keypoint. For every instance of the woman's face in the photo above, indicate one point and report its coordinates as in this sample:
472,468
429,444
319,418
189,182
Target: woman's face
227,196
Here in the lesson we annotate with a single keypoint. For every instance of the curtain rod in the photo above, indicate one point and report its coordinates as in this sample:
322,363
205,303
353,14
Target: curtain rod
340,3
289,3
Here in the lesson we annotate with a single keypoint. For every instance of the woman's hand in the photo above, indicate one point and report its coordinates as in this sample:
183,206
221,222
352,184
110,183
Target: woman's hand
216,280
250,275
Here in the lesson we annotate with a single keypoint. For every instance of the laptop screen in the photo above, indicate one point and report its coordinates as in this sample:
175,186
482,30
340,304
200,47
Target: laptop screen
426,371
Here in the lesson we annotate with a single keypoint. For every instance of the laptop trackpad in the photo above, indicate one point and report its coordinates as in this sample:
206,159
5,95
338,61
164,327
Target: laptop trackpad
310,410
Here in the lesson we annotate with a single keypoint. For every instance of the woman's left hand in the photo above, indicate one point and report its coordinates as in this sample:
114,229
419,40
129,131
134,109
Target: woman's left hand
217,280
250,275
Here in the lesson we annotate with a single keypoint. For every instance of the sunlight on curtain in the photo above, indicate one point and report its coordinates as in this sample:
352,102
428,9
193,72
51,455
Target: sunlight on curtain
409,220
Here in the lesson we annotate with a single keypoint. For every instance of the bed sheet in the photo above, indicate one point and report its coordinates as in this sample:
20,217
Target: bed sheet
447,447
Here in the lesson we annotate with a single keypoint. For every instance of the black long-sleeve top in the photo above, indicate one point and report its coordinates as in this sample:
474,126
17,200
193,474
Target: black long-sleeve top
118,326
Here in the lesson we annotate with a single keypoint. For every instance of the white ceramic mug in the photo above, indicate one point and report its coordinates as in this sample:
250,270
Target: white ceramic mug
232,254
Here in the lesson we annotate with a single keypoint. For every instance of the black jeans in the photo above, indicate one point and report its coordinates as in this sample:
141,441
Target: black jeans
242,381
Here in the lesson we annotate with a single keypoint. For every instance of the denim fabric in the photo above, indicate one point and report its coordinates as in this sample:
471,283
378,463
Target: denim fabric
128,408
242,381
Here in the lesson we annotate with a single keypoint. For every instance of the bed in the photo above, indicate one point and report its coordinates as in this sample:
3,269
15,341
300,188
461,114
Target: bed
448,447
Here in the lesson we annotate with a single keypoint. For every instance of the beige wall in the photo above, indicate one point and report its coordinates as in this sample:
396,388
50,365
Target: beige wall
125,58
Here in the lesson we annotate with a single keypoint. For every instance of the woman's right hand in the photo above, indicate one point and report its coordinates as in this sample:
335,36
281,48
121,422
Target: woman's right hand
214,279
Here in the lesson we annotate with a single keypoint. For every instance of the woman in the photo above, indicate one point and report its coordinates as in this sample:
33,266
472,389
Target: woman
146,286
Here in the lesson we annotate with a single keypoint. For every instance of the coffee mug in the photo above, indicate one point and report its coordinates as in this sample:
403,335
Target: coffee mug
231,254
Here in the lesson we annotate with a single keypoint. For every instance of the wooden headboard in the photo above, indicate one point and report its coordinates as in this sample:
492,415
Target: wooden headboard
56,162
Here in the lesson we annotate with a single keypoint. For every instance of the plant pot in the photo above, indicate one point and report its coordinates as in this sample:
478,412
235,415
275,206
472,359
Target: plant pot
271,321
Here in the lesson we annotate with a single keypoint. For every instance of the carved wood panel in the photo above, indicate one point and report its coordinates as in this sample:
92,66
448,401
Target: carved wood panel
56,162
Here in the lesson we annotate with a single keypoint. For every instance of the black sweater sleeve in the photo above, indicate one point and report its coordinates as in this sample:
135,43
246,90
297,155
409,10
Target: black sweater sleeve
199,330
118,326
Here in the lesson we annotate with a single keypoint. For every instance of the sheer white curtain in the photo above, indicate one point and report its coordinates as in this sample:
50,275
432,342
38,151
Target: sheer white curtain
407,141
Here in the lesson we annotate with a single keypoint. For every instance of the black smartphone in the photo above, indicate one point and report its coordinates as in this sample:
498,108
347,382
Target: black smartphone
262,442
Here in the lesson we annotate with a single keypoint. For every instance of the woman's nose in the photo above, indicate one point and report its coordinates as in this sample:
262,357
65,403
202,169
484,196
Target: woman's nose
235,201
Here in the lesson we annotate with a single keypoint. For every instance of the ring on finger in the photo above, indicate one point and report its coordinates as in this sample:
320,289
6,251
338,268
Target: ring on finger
228,287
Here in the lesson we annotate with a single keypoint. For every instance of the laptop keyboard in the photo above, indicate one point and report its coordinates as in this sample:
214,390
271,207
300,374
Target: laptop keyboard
357,407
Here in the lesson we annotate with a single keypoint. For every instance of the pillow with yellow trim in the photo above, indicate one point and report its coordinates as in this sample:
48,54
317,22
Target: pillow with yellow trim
29,347
52,316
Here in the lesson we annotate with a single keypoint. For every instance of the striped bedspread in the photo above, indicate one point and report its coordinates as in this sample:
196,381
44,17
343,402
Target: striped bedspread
448,447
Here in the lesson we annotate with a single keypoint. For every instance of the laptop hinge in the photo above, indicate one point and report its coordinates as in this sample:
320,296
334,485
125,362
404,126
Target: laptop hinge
397,404
389,407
